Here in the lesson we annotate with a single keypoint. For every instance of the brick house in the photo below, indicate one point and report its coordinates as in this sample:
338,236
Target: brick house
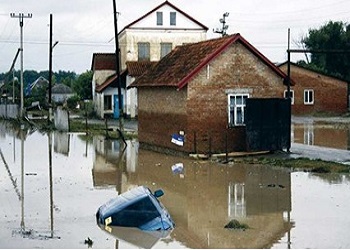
198,92
315,92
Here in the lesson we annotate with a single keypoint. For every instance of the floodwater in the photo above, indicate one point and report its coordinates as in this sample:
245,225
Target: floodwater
52,185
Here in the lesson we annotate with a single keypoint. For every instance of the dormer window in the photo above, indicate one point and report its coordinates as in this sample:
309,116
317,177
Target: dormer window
159,18
172,18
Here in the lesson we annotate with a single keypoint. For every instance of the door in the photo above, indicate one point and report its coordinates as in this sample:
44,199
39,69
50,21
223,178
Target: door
116,112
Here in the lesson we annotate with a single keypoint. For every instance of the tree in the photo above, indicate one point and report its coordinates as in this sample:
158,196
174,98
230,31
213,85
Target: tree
331,36
82,86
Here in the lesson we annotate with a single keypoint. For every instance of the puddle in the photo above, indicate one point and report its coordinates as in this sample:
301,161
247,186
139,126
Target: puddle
52,186
320,133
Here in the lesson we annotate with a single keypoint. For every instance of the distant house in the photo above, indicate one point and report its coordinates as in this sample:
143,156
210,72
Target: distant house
146,40
61,93
315,92
194,98
41,82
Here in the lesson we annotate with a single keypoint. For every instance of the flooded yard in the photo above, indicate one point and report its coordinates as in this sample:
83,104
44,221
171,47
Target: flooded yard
53,184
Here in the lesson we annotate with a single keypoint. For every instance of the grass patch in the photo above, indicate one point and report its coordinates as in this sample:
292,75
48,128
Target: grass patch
235,224
303,164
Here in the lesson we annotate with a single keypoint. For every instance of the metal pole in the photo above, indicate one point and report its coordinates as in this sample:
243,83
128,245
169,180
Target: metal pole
21,16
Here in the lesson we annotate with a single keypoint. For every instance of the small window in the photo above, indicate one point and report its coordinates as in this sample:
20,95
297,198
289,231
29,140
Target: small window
143,51
107,102
291,95
308,97
172,18
237,107
159,18
165,48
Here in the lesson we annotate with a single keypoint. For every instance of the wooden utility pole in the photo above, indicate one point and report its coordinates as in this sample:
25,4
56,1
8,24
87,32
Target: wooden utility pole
117,55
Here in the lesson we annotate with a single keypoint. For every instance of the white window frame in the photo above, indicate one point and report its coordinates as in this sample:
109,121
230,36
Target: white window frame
292,95
237,109
306,96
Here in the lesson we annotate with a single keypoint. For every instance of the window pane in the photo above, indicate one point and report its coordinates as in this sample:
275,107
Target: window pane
107,101
159,18
239,100
143,51
165,48
172,18
239,115
305,96
311,98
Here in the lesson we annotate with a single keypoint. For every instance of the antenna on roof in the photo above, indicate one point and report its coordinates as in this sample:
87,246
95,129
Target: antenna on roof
224,28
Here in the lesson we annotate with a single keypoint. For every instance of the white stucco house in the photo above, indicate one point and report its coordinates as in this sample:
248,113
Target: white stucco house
142,42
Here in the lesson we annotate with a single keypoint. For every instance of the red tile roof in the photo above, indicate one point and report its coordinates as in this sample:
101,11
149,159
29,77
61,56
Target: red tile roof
111,81
136,68
184,62
159,6
103,61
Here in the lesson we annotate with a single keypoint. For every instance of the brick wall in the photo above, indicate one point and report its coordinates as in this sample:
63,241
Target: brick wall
330,94
201,108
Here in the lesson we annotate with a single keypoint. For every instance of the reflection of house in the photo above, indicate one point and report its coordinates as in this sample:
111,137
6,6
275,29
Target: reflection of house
61,93
111,161
199,90
315,92
61,143
145,40
210,195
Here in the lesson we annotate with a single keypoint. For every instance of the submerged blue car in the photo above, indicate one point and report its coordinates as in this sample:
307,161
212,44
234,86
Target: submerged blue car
138,207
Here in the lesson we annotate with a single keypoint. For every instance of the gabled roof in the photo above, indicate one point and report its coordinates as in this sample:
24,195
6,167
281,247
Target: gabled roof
311,70
61,89
110,82
133,68
136,68
158,7
103,61
178,67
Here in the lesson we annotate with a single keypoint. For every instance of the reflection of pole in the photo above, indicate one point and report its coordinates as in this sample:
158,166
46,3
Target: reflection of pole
22,179
51,184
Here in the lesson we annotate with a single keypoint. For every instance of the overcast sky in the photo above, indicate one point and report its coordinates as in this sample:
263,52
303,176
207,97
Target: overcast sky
84,27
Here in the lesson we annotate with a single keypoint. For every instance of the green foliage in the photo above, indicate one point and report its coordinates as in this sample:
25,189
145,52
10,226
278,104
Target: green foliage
331,36
82,86
72,102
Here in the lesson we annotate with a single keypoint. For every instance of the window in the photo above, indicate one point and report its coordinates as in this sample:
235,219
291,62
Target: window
159,18
237,106
172,18
107,102
165,48
291,95
308,96
143,51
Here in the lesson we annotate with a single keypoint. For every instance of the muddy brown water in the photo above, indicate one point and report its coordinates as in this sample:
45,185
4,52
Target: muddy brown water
52,185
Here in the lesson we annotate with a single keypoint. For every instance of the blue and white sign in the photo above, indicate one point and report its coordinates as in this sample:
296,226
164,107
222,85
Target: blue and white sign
177,139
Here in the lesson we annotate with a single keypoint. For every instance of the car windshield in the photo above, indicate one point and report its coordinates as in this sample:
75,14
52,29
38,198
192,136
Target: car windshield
137,213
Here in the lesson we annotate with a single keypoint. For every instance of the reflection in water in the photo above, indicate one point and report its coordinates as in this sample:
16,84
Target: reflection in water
202,198
210,195
333,135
